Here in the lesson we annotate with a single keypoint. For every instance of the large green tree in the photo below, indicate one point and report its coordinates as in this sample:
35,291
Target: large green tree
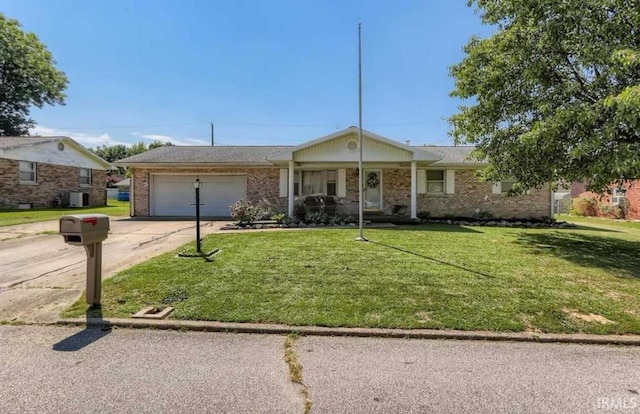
28,77
554,93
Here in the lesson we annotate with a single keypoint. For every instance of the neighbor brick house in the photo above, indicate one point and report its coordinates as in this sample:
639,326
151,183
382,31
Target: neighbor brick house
38,171
398,178
630,192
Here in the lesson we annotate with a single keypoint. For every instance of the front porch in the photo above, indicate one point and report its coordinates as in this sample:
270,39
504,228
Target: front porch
328,166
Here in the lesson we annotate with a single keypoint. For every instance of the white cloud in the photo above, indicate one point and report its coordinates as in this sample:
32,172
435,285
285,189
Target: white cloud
175,141
92,140
86,139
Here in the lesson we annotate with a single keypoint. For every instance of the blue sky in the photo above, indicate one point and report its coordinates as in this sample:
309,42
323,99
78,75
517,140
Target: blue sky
265,72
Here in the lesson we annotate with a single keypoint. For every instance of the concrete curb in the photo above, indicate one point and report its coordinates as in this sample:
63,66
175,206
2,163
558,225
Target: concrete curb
204,326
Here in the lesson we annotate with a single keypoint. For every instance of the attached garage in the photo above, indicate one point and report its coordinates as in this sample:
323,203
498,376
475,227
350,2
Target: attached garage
174,195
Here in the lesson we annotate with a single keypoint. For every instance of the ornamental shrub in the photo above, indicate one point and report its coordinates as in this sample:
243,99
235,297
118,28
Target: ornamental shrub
584,206
246,213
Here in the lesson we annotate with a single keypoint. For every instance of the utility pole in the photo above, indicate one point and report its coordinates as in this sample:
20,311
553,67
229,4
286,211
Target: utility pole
360,171
212,134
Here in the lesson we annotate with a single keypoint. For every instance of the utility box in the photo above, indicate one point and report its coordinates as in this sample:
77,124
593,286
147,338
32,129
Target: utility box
76,199
88,230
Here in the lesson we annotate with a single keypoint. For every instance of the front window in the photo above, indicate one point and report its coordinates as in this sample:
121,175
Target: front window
317,182
435,181
27,172
85,176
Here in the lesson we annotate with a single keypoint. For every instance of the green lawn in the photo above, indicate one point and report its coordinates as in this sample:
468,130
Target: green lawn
11,217
428,276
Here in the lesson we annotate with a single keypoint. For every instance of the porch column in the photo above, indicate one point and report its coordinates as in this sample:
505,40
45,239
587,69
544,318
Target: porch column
414,190
291,186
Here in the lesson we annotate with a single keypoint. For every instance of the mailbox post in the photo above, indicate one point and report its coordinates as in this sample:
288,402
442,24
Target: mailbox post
89,231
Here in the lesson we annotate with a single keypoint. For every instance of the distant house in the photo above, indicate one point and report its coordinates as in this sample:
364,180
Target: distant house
628,195
48,171
397,177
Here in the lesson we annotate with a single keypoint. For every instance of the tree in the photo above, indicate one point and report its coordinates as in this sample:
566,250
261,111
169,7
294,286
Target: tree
28,78
555,91
111,153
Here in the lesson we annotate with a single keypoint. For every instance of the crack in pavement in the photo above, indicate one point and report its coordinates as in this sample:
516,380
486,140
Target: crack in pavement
295,370
14,284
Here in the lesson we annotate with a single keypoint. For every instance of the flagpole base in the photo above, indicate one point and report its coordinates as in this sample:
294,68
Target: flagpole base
360,238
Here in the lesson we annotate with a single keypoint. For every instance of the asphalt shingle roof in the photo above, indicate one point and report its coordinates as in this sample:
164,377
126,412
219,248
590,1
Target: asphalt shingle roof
228,155
14,142
453,155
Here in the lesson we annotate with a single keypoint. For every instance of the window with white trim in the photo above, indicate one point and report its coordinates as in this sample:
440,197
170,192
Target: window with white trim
85,176
27,172
322,182
435,181
617,195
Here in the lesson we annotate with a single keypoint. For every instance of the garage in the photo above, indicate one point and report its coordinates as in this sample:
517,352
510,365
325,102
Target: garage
174,195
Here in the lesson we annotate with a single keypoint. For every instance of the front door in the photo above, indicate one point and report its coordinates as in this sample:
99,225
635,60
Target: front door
373,190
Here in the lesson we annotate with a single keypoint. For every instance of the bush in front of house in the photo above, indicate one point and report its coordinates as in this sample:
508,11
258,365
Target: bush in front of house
584,206
245,213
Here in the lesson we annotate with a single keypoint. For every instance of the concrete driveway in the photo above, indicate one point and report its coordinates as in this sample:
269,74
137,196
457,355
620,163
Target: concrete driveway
40,275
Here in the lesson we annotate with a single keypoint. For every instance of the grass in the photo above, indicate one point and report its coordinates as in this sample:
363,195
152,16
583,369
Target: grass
11,217
600,222
428,276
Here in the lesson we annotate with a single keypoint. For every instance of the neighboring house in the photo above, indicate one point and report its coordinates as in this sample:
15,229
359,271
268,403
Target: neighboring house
123,185
398,177
48,171
630,193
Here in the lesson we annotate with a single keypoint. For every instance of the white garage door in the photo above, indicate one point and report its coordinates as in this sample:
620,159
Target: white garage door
174,196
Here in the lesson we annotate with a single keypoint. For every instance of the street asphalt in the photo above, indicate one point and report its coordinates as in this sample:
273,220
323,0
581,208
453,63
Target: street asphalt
50,369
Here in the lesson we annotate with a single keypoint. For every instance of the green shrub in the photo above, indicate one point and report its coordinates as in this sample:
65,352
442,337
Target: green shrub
300,211
280,217
584,206
480,214
423,216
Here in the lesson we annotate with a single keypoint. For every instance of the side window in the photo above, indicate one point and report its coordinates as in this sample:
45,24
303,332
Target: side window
435,181
27,172
85,176
332,180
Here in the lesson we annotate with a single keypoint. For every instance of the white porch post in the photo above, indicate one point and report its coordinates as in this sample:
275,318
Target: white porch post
291,186
414,190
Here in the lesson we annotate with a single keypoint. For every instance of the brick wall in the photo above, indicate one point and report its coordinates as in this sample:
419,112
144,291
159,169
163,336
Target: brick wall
469,195
51,180
632,195
263,184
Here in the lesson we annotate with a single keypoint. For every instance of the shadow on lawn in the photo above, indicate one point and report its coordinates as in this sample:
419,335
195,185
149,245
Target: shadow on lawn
400,249
445,228
620,256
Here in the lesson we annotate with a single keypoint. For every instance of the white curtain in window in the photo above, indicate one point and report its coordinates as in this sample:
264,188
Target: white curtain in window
313,182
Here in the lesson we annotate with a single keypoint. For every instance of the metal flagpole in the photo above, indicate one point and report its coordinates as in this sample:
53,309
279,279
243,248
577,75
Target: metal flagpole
360,172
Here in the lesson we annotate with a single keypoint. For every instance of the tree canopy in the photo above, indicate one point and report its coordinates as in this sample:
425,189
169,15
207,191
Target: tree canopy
554,93
28,77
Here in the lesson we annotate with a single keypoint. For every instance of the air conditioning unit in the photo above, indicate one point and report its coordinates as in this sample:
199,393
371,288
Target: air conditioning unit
75,200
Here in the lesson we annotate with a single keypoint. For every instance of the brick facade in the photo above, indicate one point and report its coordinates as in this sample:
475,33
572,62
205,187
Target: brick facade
51,180
632,195
470,193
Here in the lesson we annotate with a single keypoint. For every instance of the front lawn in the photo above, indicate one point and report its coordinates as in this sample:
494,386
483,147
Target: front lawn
11,217
429,276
